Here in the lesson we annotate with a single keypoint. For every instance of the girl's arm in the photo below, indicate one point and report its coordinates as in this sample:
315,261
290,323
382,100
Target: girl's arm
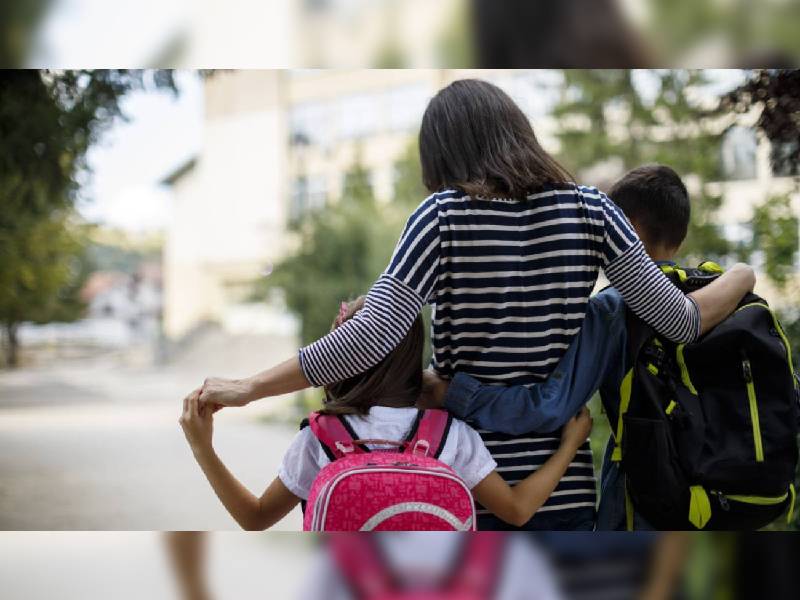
363,341
250,512
517,505
666,566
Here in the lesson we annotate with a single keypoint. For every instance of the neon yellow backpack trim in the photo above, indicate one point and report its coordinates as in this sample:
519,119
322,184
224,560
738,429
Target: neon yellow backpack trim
699,506
625,400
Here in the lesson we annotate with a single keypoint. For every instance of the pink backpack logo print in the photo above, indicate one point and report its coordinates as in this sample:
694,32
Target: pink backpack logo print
407,489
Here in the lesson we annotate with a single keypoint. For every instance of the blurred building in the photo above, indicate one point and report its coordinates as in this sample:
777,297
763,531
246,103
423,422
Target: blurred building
123,312
381,33
278,144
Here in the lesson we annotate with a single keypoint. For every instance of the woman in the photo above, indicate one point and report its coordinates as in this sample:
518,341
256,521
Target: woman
507,250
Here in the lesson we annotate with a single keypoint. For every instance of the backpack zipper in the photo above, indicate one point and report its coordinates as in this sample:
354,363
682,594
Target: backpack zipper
747,371
778,329
758,500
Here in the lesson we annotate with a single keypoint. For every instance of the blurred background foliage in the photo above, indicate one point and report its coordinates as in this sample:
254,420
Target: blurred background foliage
48,122
344,246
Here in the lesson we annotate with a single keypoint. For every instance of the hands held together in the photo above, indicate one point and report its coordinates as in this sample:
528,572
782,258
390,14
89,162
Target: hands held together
217,392
197,422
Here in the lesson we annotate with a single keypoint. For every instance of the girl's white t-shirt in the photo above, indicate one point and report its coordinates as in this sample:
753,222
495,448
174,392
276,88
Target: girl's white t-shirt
463,450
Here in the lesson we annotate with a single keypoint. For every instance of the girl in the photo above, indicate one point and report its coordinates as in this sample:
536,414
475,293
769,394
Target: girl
507,250
378,404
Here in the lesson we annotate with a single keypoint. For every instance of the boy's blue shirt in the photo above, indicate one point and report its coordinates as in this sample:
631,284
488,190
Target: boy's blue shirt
594,361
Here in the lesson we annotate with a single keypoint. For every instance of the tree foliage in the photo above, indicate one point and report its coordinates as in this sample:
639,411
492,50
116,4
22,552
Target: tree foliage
776,95
610,114
344,247
775,237
48,122
341,251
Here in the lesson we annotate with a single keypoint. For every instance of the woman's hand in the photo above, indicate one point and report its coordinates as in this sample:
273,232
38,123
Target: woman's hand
197,422
226,392
577,430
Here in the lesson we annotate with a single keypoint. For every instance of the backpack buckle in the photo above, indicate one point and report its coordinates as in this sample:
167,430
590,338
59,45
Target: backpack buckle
423,445
345,448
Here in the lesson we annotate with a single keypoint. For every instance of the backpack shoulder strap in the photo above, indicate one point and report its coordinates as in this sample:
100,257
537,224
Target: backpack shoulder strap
335,434
361,565
478,571
430,432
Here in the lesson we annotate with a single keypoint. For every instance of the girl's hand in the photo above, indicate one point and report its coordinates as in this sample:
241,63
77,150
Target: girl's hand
577,430
225,392
197,422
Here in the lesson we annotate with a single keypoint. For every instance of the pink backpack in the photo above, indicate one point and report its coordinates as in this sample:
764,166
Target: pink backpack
407,489
364,570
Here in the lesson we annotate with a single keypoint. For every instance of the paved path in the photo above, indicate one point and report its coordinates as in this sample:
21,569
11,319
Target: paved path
99,447
134,565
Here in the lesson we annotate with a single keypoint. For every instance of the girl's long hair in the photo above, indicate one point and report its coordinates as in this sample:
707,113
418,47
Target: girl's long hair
395,381
475,138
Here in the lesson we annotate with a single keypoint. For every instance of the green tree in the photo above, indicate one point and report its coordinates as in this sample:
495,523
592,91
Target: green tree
48,121
646,117
342,249
775,235
19,20
408,189
775,95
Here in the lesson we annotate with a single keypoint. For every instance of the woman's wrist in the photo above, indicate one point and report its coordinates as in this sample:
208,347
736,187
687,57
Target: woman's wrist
251,388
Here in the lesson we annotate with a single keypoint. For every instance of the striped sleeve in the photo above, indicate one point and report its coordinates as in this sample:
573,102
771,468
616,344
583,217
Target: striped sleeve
645,289
653,297
619,235
390,307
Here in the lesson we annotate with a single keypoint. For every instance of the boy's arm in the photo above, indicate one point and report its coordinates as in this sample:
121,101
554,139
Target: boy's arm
250,512
517,505
546,406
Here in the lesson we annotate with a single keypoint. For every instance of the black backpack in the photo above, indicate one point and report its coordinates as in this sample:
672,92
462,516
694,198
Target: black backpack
707,431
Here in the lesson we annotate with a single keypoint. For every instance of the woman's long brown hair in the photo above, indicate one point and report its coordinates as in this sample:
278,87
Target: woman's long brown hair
395,381
476,139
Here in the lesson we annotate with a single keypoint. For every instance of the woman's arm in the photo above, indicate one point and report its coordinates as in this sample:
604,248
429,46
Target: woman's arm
721,297
363,341
652,296
285,378
250,512
516,505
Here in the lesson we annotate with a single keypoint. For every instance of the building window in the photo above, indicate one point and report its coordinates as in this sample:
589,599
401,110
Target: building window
309,123
358,115
738,152
308,194
406,105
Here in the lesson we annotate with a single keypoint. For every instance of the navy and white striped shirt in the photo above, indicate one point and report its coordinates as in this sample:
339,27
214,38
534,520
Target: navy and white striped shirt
509,281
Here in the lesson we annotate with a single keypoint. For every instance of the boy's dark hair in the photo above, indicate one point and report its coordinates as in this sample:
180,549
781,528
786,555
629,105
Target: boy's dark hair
395,381
655,198
476,139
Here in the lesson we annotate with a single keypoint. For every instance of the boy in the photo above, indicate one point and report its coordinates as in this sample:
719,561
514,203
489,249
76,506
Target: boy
656,202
